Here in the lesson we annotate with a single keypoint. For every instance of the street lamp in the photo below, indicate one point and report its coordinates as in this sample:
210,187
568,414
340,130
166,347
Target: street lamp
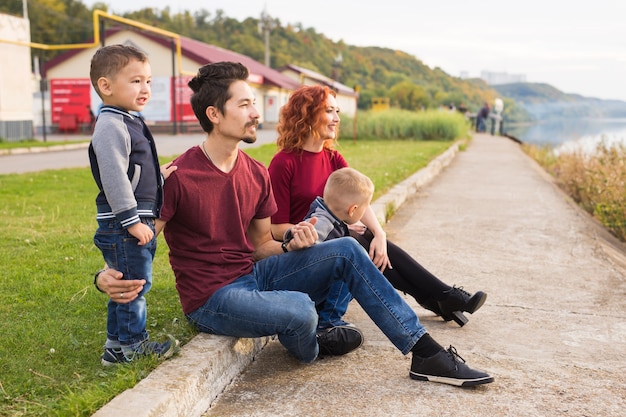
336,65
265,27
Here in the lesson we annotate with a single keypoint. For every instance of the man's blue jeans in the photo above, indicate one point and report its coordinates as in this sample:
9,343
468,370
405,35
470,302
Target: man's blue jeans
126,323
481,125
280,294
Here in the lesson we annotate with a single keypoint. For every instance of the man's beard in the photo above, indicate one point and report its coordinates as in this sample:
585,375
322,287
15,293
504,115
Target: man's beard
249,139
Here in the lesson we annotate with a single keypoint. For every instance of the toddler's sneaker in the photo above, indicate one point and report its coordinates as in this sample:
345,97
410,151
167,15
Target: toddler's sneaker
113,356
165,350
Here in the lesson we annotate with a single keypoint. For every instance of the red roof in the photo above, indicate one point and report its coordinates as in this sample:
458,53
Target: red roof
202,53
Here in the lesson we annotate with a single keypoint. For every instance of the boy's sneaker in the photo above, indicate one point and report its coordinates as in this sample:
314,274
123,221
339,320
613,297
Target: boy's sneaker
162,351
339,340
165,350
447,367
113,356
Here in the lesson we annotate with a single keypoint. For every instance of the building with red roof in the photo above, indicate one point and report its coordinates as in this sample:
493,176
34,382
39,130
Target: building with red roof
71,93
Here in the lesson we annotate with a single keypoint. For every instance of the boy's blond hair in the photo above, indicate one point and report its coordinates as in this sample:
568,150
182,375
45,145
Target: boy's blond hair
109,60
347,186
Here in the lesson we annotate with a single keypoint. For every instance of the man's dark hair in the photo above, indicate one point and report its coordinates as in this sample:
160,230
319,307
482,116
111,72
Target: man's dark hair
210,88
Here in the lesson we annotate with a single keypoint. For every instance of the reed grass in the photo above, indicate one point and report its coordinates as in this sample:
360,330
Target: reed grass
404,124
595,180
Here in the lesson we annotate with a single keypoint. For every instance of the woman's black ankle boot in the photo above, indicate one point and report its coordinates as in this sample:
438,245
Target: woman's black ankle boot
457,301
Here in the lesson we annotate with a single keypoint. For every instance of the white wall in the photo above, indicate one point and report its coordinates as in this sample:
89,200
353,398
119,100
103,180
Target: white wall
16,88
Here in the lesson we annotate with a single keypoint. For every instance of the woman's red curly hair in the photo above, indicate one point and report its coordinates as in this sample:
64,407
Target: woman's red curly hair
302,115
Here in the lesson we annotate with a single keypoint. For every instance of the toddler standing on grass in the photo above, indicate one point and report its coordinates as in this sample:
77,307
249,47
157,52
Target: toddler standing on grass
125,166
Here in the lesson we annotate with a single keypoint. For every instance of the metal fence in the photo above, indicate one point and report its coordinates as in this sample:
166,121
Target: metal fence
16,130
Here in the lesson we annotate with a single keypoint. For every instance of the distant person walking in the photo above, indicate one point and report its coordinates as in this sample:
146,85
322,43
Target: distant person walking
481,118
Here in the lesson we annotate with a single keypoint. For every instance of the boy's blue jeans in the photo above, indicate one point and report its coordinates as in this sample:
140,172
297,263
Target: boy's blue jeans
279,296
126,323
335,306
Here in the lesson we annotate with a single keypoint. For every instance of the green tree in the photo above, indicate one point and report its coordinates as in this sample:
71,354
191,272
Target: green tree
409,96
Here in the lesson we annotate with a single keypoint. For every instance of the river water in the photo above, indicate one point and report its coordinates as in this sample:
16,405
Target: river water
570,132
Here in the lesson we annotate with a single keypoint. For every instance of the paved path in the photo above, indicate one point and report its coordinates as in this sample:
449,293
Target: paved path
552,332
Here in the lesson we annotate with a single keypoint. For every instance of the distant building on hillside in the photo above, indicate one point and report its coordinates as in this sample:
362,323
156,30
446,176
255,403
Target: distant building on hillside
496,78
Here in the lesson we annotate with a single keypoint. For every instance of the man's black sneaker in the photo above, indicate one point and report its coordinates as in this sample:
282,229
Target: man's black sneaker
327,326
447,367
339,340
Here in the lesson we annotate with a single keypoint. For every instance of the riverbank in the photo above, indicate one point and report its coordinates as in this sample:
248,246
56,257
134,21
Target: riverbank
593,178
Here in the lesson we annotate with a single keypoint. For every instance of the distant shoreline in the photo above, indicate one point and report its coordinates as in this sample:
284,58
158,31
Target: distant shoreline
558,132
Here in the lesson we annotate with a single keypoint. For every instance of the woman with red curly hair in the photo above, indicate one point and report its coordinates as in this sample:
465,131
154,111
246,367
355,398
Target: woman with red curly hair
308,129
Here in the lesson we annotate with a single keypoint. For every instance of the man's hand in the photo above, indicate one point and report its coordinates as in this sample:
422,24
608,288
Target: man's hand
304,235
120,291
167,169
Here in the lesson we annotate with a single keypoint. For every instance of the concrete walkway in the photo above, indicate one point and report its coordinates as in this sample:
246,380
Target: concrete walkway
552,332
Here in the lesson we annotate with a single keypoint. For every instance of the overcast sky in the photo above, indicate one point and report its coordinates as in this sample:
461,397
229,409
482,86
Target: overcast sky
576,46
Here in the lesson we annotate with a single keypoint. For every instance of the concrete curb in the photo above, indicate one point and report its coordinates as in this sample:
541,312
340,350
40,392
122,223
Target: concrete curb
186,385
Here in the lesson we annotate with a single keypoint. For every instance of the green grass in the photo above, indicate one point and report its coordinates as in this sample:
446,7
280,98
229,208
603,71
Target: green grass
35,143
54,321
